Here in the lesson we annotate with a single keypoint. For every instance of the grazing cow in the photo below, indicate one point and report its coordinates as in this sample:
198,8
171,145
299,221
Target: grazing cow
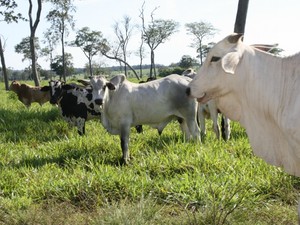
125,104
259,90
28,94
75,103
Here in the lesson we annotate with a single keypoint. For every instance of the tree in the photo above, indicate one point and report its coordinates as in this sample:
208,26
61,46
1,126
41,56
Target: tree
33,26
123,36
7,15
24,48
205,49
50,41
110,53
157,32
60,17
89,42
58,65
142,54
200,31
187,62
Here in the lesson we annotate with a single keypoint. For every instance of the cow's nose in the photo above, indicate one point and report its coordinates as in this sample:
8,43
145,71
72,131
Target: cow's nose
53,101
188,91
98,101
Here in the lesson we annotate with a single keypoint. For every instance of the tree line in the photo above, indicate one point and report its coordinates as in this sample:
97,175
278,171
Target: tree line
92,42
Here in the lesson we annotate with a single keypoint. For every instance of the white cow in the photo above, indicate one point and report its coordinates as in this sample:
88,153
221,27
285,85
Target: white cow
259,90
125,104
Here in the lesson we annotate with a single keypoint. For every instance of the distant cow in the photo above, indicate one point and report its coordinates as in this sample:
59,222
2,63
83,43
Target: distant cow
75,103
189,73
125,104
28,94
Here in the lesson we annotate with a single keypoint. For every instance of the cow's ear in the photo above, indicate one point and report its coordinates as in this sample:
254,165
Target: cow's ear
230,62
117,80
110,86
45,88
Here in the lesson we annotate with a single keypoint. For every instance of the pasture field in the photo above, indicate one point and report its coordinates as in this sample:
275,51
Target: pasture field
51,175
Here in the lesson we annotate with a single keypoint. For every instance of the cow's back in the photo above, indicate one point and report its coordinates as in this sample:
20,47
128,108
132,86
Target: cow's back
155,101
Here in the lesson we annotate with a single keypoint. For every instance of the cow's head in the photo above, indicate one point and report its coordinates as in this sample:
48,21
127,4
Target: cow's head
216,72
55,90
14,86
101,86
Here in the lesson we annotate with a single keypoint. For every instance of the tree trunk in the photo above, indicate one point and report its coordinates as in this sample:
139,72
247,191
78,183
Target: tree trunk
90,66
201,53
151,63
33,62
63,57
33,28
4,71
241,15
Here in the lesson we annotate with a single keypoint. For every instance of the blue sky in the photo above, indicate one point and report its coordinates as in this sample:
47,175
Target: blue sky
268,22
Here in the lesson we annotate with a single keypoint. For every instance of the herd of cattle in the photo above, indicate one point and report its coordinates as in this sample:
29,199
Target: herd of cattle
121,104
248,85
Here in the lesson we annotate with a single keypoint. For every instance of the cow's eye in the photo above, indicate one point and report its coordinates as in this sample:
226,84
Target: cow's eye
104,87
215,59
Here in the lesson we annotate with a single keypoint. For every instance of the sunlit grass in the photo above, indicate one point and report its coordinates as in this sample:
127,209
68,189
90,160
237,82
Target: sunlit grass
49,174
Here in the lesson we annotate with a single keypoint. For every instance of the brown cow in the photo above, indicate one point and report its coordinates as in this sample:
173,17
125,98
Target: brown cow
28,94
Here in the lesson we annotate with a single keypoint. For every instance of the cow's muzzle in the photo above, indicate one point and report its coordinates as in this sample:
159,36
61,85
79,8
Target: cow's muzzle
53,101
98,101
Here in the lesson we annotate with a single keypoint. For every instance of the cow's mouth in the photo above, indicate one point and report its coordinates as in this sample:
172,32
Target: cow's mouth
204,98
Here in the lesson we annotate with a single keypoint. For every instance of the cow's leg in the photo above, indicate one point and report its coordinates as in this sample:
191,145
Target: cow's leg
80,124
214,116
194,129
190,129
185,129
162,126
225,128
201,118
124,137
139,128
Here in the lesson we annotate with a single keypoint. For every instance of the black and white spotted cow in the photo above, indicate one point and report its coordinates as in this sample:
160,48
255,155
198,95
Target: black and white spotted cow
75,103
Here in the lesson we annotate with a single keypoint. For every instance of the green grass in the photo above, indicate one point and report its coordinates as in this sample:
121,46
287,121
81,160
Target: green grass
51,175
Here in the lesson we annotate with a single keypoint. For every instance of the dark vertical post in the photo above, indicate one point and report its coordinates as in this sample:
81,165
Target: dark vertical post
241,15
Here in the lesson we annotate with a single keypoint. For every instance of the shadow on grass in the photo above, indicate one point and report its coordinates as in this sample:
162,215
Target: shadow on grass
30,125
68,155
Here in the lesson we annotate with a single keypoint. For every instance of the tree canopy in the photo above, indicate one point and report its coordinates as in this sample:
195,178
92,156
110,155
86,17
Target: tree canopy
200,31
89,42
